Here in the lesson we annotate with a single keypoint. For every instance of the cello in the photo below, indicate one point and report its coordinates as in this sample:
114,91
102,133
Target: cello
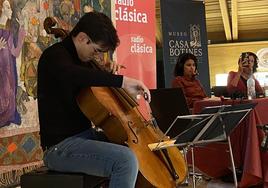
117,114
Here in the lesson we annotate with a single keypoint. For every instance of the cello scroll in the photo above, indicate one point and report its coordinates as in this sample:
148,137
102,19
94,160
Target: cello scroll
49,26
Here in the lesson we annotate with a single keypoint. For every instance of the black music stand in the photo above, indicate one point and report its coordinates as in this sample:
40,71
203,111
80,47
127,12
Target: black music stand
166,105
213,124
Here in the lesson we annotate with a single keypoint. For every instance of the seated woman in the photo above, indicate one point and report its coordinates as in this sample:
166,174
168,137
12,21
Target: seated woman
185,72
237,81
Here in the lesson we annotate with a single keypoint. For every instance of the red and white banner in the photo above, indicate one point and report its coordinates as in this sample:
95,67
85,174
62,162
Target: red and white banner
135,23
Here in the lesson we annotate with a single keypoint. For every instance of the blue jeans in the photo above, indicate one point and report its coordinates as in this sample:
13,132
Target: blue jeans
89,153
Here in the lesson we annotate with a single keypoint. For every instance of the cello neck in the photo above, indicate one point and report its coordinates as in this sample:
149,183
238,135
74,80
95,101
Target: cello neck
128,101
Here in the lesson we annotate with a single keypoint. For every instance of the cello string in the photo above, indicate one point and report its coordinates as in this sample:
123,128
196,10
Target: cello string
154,122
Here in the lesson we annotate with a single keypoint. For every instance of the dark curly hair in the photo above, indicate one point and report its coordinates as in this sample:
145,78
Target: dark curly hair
256,59
179,67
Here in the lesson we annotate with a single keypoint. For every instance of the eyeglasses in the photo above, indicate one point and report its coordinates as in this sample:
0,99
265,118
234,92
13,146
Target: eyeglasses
96,49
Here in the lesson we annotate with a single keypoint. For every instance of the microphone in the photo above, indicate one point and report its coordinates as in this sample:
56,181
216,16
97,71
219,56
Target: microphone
196,73
264,143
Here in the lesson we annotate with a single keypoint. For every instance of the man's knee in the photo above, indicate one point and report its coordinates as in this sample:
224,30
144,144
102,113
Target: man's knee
130,160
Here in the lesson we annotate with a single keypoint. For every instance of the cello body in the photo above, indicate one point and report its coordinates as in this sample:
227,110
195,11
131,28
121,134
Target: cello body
123,124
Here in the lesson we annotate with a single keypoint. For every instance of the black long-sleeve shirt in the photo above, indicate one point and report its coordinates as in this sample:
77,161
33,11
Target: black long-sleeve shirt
61,75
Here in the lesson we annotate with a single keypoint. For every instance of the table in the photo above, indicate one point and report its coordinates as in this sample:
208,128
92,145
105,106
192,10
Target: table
214,159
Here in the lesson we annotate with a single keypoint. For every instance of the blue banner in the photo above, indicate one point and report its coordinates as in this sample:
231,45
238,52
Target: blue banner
184,31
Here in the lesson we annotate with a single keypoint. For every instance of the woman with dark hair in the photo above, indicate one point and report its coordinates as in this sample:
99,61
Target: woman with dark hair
185,77
237,81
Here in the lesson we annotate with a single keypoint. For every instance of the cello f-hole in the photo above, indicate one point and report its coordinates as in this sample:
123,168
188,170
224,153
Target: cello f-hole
137,139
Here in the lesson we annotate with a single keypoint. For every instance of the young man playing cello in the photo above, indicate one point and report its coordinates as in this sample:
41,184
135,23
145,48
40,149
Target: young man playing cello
67,137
